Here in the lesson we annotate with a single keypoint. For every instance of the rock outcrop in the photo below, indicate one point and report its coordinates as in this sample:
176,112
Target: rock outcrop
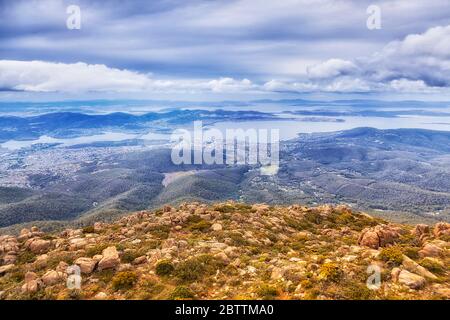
229,251
379,236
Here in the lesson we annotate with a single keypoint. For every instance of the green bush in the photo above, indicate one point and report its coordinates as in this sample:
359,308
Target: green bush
330,272
181,292
164,268
392,255
124,280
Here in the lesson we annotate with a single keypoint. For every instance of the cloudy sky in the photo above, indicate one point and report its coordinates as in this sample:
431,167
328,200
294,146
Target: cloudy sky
224,48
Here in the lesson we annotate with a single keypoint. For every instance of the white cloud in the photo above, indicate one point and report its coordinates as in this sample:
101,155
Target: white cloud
331,69
40,76
405,85
230,85
281,86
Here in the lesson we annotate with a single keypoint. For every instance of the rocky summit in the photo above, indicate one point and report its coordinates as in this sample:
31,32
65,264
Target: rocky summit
230,251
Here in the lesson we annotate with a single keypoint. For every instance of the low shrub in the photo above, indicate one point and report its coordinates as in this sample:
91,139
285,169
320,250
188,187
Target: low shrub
330,272
198,267
411,252
25,257
128,256
201,226
89,229
164,268
267,292
96,249
181,292
225,208
393,255
432,265
124,280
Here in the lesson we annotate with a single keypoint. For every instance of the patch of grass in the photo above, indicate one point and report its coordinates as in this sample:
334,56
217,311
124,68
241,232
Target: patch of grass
345,218
149,288
195,218
164,268
197,268
17,275
57,257
160,232
105,276
238,239
432,265
25,257
244,208
313,217
298,224
124,280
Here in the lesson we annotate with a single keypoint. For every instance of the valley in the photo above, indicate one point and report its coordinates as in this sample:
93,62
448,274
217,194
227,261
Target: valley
400,174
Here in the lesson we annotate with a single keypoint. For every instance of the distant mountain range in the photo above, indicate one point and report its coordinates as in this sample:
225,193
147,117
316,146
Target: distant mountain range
69,124
402,175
